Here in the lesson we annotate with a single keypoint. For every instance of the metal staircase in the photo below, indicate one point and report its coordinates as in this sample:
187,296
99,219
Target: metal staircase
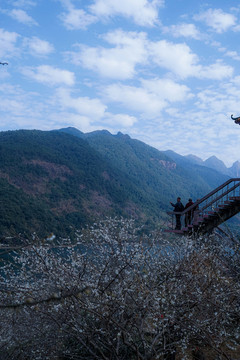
209,212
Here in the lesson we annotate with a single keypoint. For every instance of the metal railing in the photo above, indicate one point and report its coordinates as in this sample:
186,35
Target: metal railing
210,203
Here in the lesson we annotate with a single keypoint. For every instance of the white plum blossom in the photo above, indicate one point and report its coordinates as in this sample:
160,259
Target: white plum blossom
115,293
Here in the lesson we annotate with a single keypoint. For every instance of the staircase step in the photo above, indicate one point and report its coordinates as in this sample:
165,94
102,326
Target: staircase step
235,198
212,214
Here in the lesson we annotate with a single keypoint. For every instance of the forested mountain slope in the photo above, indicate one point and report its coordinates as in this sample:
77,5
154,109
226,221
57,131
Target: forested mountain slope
59,181
53,182
155,173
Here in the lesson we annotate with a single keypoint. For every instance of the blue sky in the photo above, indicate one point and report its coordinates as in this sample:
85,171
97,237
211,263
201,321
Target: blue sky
166,72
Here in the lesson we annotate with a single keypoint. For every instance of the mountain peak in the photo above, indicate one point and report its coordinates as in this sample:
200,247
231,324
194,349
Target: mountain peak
98,132
235,169
216,164
119,134
213,157
72,131
195,159
236,163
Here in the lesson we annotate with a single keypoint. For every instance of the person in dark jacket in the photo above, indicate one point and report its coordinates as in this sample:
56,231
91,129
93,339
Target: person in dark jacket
189,214
178,207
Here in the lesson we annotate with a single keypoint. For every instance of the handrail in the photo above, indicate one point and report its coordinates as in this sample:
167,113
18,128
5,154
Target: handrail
206,196
221,196
209,195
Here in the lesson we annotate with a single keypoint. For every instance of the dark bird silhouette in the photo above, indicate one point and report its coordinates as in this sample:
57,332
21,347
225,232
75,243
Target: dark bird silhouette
3,63
236,120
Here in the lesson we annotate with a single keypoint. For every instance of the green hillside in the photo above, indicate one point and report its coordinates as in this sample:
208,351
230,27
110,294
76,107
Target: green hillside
59,181
160,176
53,182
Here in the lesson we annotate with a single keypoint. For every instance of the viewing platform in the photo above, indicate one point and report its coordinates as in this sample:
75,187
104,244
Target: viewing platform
209,212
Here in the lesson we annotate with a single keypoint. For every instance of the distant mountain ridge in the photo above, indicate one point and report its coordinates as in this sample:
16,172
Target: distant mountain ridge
181,179
212,162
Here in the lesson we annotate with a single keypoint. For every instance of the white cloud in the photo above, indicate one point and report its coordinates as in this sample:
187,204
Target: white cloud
22,17
69,118
224,99
135,99
217,71
118,62
233,54
24,3
132,49
197,132
151,98
236,81
177,58
183,30
75,19
8,43
120,120
218,20
180,60
167,89
49,75
92,108
236,28
19,108
39,47
143,12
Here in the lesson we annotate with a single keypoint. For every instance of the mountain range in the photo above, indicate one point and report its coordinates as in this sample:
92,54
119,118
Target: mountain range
59,181
212,162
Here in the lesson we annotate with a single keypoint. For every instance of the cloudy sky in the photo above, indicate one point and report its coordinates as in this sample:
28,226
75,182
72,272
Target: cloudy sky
166,72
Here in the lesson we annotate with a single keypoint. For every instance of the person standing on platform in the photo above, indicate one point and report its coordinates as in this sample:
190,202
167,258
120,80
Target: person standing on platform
189,214
178,207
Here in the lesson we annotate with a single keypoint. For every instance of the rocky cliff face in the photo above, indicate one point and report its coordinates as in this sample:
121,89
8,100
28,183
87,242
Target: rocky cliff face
170,165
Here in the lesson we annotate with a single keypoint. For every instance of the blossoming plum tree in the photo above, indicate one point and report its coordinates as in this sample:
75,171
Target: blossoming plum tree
116,294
